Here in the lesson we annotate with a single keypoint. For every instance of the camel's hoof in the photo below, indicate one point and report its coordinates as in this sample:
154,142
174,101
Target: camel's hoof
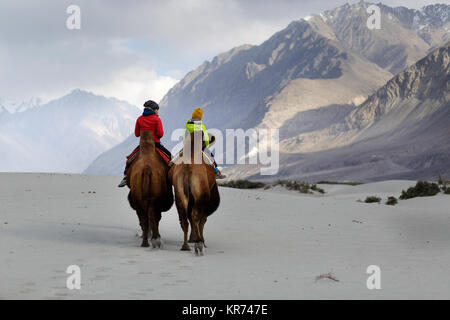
199,248
185,247
145,244
156,243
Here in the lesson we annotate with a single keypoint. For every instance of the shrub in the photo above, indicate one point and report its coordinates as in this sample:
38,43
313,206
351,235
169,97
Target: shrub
242,184
442,181
335,182
372,199
422,189
316,188
446,190
391,201
300,186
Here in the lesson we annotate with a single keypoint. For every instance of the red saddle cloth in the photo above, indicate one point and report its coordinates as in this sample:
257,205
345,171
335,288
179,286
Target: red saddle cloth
135,152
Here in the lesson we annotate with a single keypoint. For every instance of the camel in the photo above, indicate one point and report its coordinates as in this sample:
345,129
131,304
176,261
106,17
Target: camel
150,191
196,191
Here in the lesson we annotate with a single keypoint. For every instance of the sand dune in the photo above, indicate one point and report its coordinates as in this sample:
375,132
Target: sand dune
261,244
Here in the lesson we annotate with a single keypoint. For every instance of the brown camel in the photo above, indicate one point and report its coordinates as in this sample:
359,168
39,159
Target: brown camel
196,191
150,191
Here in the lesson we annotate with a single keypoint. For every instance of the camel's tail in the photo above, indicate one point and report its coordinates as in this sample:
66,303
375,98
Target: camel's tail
187,193
198,191
146,182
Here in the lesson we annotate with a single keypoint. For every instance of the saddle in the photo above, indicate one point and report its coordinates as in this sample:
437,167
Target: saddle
177,159
135,153
206,157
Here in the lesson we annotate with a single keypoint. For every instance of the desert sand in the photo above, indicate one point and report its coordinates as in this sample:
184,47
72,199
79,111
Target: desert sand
262,244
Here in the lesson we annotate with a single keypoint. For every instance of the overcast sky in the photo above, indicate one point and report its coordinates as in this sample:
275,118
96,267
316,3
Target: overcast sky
136,49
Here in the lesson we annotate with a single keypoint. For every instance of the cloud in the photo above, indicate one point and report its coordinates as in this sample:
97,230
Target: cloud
131,49
136,85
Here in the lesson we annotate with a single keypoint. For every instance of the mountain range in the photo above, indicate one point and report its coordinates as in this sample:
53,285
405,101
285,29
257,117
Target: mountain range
315,81
63,135
400,132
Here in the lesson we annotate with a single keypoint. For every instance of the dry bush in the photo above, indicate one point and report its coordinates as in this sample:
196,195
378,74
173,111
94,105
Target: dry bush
328,275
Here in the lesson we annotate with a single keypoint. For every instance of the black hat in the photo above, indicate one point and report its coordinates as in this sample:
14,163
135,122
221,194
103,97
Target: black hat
151,104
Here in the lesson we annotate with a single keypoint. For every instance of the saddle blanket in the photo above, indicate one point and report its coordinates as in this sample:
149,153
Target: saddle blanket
177,159
135,153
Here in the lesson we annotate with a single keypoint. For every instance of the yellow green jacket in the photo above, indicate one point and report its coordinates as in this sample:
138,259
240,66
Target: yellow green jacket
196,125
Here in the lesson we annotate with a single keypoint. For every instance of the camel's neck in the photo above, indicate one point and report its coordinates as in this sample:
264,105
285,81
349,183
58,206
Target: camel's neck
147,143
147,148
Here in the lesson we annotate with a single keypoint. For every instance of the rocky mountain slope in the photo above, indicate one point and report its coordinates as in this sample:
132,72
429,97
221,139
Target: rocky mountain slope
304,80
405,36
400,131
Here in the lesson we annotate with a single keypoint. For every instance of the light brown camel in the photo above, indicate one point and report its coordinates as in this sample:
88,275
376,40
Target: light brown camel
150,191
196,191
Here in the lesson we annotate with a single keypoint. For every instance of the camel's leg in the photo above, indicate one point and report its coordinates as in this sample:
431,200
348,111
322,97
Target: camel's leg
196,237
202,225
185,226
191,237
154,218
143,221
181,203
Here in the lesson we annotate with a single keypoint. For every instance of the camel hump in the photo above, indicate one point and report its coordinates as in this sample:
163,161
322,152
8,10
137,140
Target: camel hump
199,188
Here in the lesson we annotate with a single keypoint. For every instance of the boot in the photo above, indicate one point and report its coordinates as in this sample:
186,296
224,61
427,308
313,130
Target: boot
123,183
219,174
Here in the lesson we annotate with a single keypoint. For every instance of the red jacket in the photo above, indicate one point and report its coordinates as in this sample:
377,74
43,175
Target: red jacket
152,123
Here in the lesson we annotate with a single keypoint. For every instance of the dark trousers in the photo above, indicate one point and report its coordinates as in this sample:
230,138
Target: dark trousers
163,149
210,153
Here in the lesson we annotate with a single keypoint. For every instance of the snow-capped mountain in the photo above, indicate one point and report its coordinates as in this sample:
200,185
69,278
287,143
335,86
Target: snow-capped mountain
13,107
406,35
64,135
3,110
303,80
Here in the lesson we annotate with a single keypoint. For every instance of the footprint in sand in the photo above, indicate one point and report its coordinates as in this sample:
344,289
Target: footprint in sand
59,288
185,267
103,269
100,277
52,298
166,274
135,294
25,291
61,294
181,281
174,261
59,271
169,284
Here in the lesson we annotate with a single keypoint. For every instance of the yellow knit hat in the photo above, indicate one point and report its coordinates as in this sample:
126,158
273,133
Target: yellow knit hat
197,114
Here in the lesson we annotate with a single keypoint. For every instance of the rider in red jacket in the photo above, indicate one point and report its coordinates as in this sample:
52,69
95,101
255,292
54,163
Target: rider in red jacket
149,120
